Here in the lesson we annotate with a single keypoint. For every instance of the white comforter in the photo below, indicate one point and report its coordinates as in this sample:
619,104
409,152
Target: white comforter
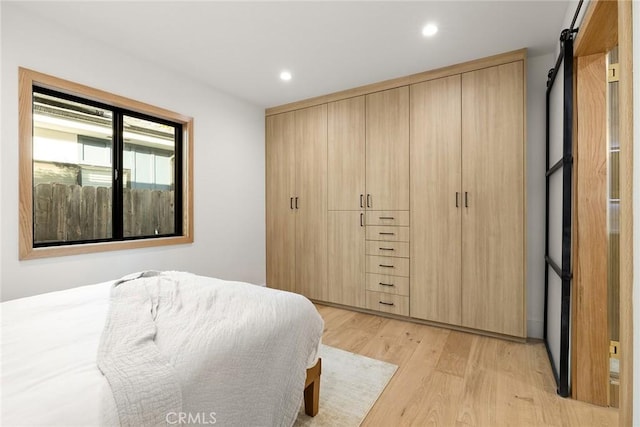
50,341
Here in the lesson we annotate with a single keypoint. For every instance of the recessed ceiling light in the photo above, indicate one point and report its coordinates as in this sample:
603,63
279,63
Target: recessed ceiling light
429,30
285,76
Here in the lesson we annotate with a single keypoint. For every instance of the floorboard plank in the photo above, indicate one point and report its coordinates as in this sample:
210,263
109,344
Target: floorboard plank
449,378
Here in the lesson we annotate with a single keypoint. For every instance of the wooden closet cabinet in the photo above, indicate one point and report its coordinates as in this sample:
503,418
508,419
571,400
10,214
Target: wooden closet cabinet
406,196
346,181
296,192
387,153
368,138
346,134
280,168
467,200
436,200
493,177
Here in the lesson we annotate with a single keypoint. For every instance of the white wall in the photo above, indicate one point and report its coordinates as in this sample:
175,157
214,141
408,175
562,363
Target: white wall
537,69
229,162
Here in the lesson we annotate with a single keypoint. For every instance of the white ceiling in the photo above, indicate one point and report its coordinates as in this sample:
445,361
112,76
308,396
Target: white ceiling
241,47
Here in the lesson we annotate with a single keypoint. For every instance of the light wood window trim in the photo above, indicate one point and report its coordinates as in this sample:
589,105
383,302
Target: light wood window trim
27,78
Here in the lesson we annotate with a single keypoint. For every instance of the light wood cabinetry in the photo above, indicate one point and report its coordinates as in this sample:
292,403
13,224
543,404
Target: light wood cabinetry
346,193
387,218
493,217
394,249
280,189
296,186
467,200
406,199
388,284
388,233
436,200
311,191
346,129
388,265
388,303
387,152
346,258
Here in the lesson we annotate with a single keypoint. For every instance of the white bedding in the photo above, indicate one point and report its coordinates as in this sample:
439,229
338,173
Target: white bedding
50,341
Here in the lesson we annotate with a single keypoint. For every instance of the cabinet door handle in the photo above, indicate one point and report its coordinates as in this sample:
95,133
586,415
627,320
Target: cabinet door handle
386,266
291,203
457,197
386,303
361,219
385,284
386,234
362,200
296,202
386,217
466,199
386,249
368,200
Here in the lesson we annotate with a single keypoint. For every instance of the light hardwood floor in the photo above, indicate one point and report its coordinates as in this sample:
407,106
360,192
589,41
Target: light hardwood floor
449,378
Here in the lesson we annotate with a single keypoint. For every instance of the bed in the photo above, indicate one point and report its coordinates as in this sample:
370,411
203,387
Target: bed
214,352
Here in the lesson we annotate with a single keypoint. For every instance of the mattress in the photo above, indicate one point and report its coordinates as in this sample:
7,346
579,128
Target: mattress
50,342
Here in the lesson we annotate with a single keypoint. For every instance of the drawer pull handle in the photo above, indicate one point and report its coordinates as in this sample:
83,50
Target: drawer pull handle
386,266
387,234
385,284
386,249
386,303
386,217
362,200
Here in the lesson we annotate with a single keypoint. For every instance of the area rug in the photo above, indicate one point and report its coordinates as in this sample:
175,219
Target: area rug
350,384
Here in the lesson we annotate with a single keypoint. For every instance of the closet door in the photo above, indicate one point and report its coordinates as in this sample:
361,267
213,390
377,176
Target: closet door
346,191
493,182
388,149
346,258
436,208
346,134
280,214
311,208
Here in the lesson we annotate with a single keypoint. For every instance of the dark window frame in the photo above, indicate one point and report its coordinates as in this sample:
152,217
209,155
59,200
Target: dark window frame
183,167
117,169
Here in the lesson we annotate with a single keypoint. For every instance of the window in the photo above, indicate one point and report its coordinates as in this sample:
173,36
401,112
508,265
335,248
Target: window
99,172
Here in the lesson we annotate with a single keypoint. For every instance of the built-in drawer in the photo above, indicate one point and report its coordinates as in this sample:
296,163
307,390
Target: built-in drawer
396,218
388,284
388,233
388,265
380,301
395,249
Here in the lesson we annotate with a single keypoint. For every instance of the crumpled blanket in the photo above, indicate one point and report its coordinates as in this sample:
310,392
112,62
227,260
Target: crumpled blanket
184,349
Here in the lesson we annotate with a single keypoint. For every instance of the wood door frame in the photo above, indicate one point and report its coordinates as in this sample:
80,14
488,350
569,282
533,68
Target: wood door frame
607,24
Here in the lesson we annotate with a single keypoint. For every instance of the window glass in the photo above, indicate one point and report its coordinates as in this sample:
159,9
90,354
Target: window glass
72,170
148,191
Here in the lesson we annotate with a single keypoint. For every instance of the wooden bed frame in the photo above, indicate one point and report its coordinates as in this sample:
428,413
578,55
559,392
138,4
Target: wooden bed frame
312,389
